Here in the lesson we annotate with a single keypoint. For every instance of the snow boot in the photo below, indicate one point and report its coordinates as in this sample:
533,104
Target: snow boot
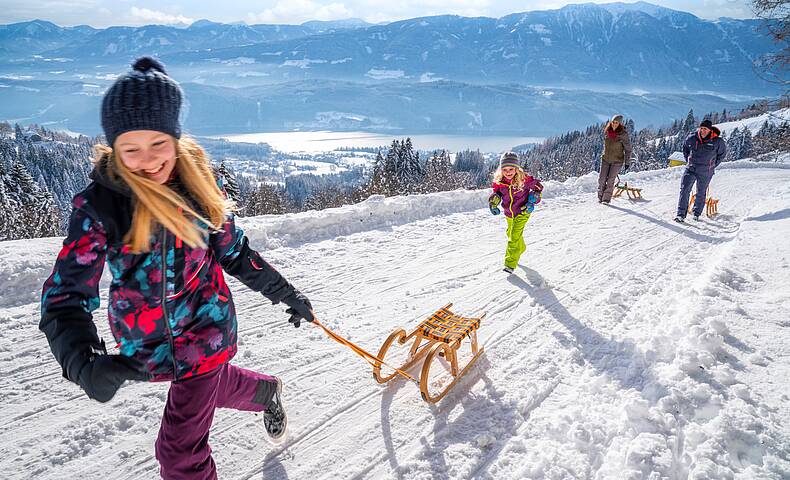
507,270
680,219
274,418
696,217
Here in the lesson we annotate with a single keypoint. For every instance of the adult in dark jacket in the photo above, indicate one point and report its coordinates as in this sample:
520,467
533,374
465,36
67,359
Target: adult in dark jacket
704,151
616,153
156,214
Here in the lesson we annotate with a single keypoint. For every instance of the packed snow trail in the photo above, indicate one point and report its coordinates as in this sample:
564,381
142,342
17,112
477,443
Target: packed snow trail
624,346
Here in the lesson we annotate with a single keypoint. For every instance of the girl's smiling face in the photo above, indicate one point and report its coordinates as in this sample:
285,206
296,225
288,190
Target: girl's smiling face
147,153
509,172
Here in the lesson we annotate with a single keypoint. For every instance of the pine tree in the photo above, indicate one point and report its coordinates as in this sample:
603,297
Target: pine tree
330,197
5,130
689,124
230,183
7,211
473,164
747,146
266,200
439,175
30,209
45,219
408,170
379,181
388,178
734,145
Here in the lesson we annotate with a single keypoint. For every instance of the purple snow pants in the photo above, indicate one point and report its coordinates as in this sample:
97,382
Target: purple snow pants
182,445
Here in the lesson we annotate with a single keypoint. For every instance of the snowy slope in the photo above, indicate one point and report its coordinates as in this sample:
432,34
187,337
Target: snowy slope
754,124
625,346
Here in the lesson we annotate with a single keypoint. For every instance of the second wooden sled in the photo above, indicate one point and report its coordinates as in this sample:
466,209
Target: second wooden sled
440,335
633,193
711,204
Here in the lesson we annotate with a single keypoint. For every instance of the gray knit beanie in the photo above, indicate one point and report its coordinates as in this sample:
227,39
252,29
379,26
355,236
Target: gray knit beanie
617,118
143,99
509,159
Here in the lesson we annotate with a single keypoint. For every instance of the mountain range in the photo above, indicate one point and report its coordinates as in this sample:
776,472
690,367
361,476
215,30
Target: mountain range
418,73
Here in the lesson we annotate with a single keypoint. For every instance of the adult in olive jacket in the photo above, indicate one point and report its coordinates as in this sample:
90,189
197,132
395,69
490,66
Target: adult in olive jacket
616,153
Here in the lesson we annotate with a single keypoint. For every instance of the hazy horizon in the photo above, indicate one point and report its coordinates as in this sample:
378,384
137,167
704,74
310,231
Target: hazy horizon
105,13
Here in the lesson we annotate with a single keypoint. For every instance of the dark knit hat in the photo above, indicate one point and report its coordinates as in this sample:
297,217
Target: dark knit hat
143,99
509,159
706,123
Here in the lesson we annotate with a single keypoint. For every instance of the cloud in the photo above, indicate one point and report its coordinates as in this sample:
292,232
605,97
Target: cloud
300,11
145,15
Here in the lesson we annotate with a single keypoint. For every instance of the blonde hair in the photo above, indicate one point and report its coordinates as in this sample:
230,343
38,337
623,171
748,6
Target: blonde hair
158,204
518,179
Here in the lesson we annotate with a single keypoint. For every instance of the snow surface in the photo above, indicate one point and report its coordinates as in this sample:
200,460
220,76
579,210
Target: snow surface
754,124
625,345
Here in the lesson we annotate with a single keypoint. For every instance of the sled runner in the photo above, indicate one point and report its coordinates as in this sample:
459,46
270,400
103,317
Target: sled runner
436,339
633,193
711,204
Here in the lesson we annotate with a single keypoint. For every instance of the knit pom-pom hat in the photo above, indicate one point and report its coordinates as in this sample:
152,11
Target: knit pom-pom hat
144,99
509,159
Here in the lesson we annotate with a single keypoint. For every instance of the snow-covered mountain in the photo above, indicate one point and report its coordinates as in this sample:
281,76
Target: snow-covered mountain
536,73
625,346
30,38
614,46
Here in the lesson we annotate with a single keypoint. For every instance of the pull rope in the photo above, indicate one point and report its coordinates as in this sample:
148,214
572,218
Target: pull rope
370,358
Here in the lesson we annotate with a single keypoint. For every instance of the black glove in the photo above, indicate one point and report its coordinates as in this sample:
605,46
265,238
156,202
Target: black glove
300,308
102,375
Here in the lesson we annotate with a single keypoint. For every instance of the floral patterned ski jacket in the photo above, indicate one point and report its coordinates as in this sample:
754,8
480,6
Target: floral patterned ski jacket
169,308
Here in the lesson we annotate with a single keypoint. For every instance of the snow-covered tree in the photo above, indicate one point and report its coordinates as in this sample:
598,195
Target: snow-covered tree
230,183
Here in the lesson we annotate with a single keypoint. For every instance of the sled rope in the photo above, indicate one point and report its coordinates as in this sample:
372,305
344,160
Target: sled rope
370,358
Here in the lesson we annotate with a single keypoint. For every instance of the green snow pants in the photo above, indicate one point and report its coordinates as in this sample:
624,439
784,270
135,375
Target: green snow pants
515,239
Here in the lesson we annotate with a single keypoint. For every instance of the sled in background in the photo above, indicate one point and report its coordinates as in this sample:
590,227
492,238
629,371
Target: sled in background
436,339
633,193
711,204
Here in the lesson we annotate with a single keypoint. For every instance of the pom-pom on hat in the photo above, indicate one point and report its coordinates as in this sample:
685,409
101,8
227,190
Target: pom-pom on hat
144,99
509,159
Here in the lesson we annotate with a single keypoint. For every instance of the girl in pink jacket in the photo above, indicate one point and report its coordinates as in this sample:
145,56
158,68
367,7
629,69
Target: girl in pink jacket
516,193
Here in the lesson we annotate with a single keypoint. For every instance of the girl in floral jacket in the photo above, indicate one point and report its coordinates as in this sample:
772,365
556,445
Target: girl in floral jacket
517,193
156,214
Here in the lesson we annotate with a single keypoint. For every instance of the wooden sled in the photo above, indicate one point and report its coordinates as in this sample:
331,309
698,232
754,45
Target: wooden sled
633,193
442,333
711,204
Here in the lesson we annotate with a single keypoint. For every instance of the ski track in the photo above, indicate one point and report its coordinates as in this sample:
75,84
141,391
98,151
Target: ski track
541,339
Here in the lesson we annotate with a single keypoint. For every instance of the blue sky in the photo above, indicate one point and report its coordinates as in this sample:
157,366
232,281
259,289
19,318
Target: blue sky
102,13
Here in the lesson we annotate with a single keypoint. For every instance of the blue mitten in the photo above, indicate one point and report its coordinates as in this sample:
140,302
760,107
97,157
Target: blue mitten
528,207
494,210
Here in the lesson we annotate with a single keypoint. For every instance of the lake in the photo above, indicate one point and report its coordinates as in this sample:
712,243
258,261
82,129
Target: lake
325,141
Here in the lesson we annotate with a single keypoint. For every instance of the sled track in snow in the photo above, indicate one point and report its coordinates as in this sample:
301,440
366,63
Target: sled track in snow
545,314
148,465
542,313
